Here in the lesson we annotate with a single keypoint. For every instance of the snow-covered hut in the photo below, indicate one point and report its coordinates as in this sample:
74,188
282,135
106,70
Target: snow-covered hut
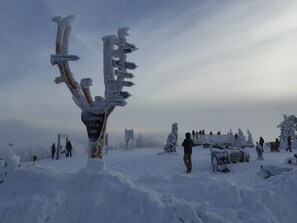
288,127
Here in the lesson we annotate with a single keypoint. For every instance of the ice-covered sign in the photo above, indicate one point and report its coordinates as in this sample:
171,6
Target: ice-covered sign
129,136
95,111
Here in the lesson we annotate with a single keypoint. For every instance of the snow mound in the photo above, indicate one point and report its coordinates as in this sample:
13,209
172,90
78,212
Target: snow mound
83,190
272,170
91,195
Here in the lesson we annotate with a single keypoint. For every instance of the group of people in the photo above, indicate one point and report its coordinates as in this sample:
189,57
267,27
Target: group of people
69,149
202,132
274,147
188,145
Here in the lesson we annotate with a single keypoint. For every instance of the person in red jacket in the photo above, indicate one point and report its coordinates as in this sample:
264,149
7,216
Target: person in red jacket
188,144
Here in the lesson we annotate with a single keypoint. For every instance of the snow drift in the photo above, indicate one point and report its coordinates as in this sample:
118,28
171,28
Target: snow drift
91,192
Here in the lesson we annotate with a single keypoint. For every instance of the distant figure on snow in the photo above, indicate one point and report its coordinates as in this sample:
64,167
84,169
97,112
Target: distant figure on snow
53,150
69,149
188,144
261,142
172,139
236,136
259,151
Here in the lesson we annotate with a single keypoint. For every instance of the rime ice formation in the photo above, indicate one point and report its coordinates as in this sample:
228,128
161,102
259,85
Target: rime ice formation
250,141
172,139
288,127
95,112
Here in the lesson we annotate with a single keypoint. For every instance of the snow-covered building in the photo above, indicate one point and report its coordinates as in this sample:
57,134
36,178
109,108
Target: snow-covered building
288,127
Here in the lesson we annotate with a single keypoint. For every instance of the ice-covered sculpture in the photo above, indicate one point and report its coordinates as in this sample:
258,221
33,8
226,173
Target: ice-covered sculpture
172,139
250,141
95,112
241,138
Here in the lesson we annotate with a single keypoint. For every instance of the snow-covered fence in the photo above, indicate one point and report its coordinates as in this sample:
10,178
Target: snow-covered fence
238,139
214,139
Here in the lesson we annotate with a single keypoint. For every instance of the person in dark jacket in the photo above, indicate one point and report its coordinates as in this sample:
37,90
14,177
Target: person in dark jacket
188,144
53,150
69,149
261,142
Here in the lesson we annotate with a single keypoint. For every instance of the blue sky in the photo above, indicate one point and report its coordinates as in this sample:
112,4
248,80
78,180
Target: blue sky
210,65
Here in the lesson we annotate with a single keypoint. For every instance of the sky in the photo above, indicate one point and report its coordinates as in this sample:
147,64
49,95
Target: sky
210,65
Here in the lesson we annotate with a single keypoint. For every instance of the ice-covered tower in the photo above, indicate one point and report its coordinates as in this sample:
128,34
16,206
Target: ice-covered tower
95,112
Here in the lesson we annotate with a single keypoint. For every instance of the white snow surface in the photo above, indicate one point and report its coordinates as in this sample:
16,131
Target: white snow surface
148,185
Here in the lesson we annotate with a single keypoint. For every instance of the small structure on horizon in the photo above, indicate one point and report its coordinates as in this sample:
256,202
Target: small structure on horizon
129,135
59,144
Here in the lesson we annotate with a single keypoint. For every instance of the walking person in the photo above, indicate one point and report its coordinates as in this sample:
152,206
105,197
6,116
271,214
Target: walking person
53,150
69,149
188,144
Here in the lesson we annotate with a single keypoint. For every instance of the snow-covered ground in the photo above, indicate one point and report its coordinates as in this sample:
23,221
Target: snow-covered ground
146,185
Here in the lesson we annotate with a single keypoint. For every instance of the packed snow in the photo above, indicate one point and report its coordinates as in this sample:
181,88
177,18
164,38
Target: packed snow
148,185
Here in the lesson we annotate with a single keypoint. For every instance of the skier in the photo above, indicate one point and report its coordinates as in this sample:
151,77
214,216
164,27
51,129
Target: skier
188,144
69,149
53,150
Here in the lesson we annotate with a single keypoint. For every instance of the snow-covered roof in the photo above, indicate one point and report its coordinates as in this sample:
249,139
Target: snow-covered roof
288,119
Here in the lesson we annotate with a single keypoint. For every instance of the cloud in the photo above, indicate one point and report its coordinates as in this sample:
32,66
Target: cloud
195,59
225,53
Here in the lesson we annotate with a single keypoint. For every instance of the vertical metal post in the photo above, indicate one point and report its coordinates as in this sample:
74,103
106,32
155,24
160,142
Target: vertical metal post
58,146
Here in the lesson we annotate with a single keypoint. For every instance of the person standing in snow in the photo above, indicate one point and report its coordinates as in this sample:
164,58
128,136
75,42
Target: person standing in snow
53,150
261,142
69,149
259,151
188,144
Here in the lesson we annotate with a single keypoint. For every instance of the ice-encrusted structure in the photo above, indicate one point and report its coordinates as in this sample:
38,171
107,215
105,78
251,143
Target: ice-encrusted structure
288,127
95,112
171,142
250,141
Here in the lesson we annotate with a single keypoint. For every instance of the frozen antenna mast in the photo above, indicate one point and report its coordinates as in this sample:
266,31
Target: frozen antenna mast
95,112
